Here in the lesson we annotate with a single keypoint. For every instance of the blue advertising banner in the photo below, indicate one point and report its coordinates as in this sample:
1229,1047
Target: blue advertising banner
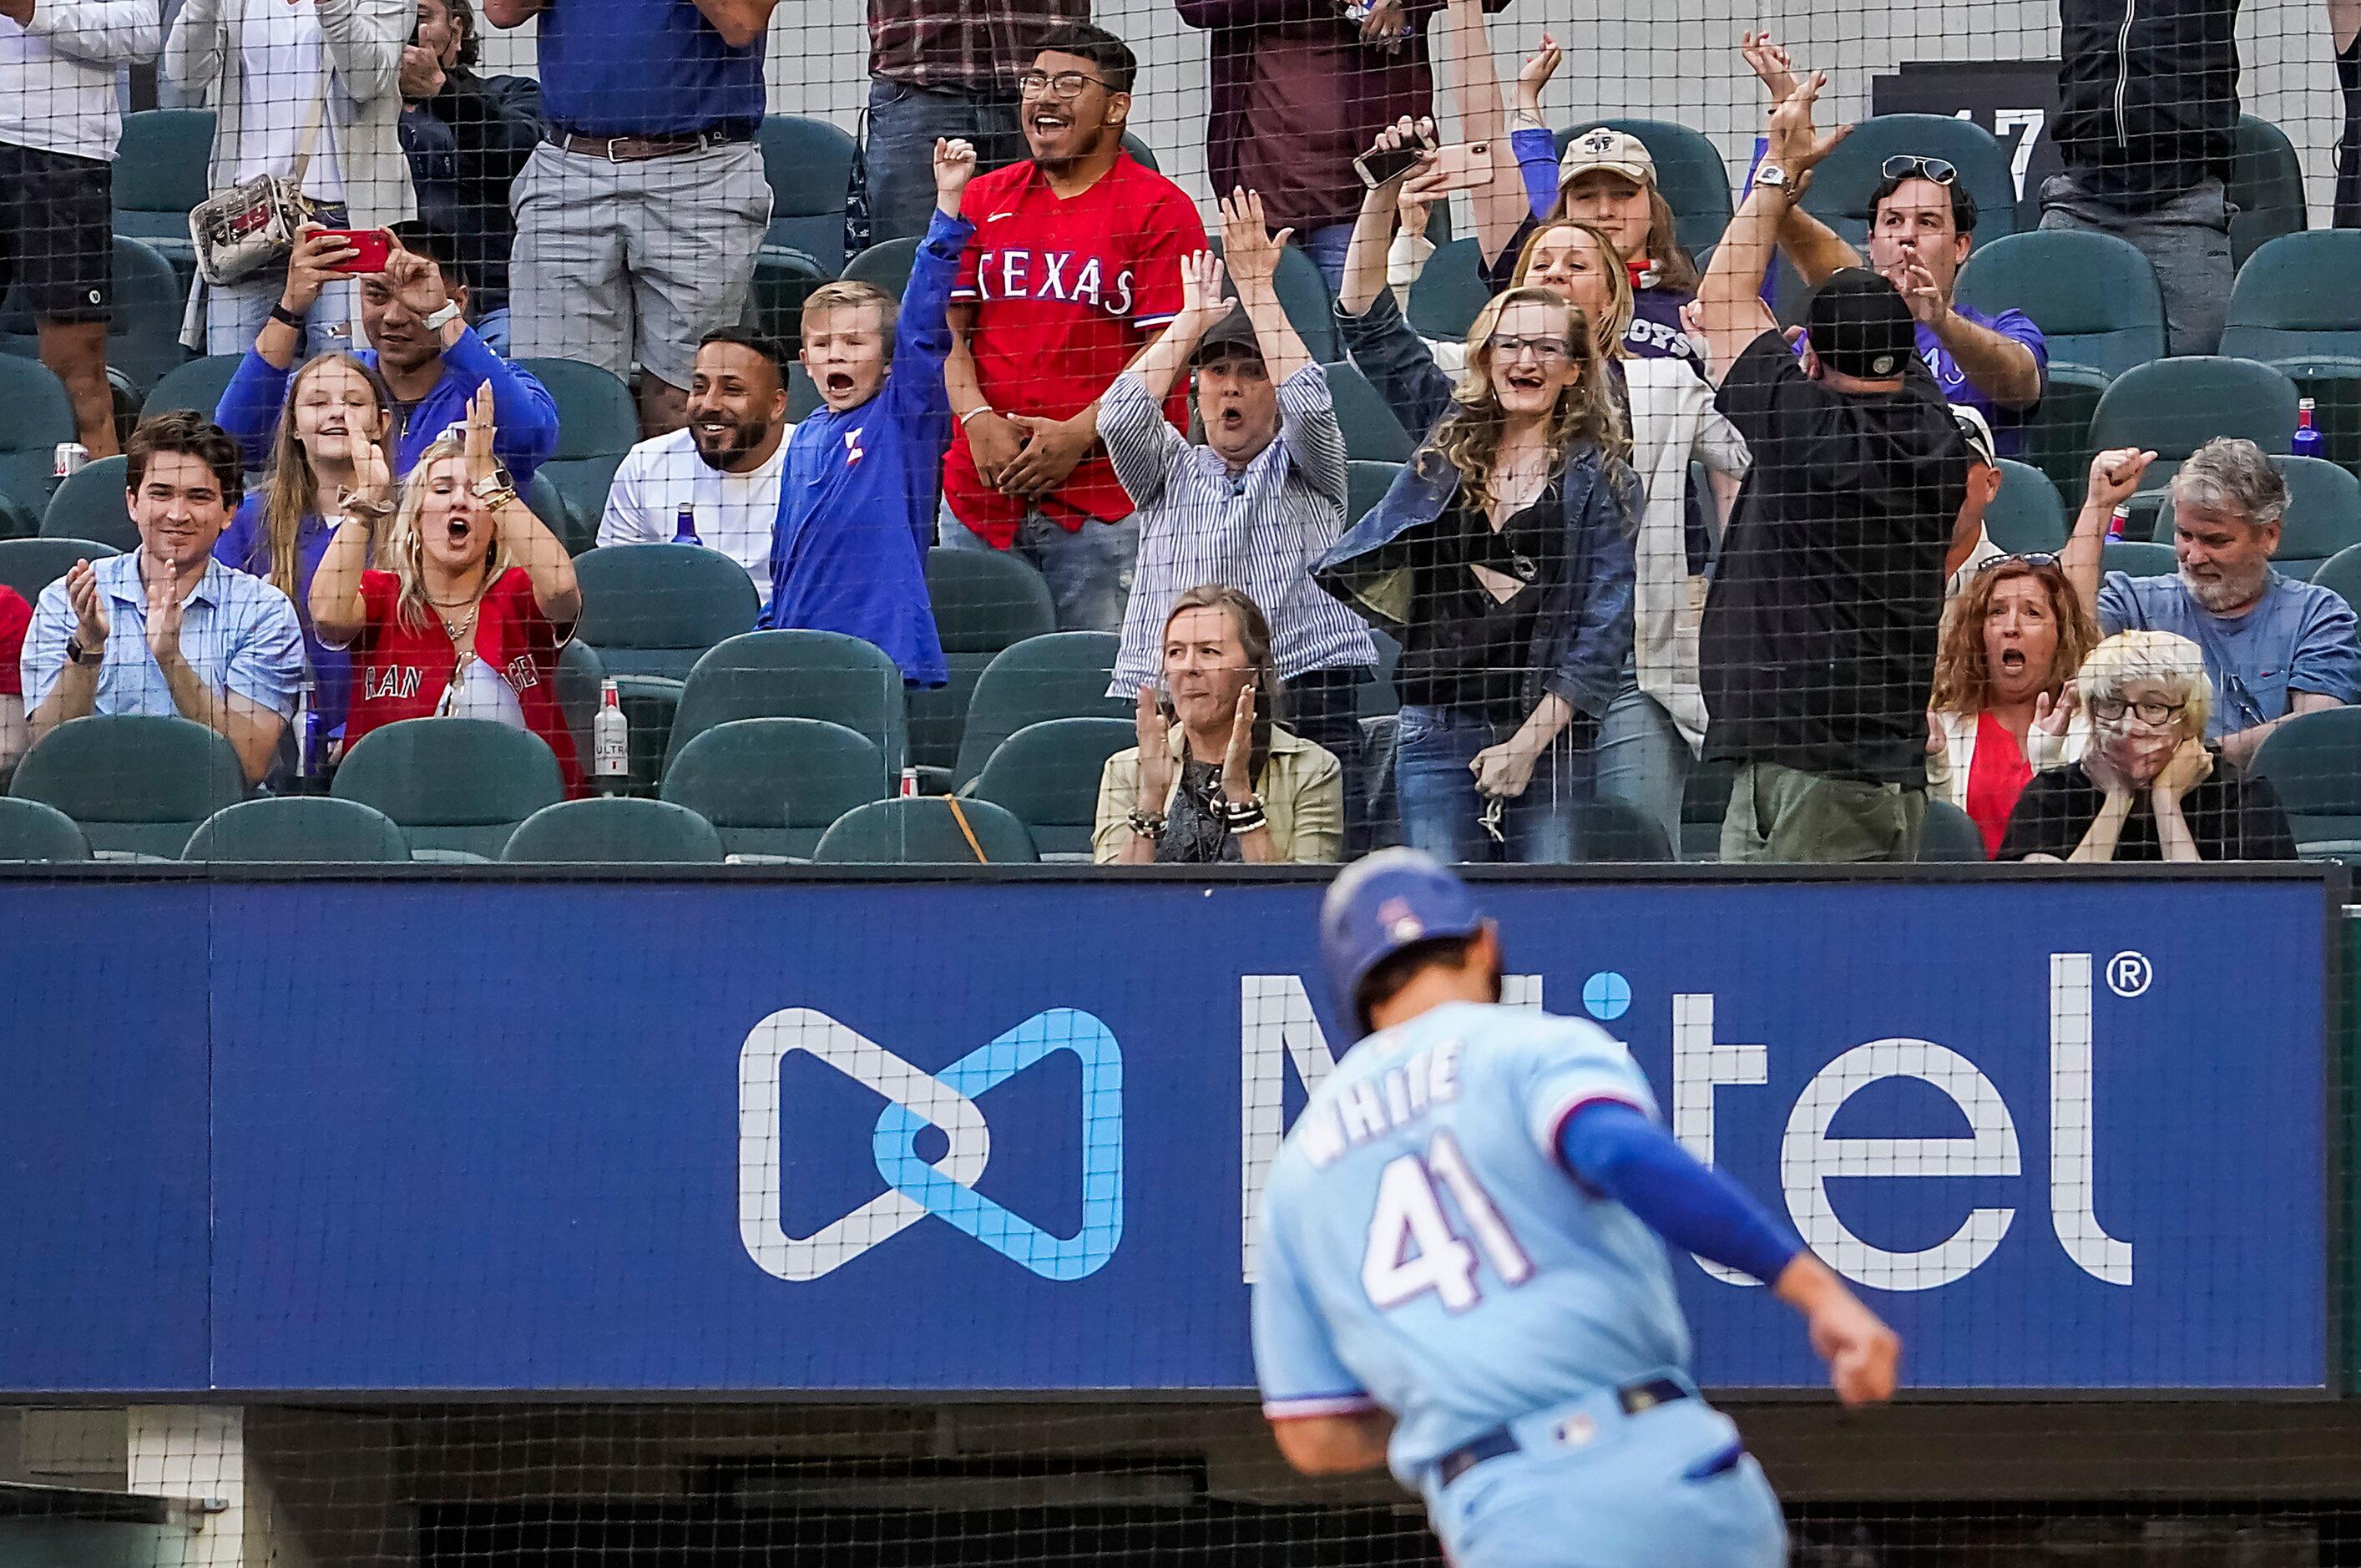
445,1135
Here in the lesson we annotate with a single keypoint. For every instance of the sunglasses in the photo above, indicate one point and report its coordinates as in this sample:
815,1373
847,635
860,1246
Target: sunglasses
1902,166
2034,558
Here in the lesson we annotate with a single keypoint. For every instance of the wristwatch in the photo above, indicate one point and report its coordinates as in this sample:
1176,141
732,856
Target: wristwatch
493,491
444,317
78,654
1771,176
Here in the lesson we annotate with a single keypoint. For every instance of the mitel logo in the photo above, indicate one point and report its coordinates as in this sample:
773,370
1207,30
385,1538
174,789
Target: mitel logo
915,1185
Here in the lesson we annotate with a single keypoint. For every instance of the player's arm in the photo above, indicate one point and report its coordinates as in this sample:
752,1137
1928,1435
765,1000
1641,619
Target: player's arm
1334,1445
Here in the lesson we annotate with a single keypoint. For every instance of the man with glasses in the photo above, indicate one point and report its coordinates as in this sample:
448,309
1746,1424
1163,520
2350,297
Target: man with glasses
2274,646
1074,268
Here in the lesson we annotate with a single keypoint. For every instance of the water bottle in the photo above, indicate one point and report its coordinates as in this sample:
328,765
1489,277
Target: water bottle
2116,523
610,741
685,526
909,784
2307,442
311,738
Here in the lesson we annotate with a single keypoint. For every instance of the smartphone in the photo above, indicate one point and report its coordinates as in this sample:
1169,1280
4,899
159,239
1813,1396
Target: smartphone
1464,166
1378,165
370,249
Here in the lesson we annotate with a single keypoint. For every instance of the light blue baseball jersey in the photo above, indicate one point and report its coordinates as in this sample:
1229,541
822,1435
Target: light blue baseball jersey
1424,1249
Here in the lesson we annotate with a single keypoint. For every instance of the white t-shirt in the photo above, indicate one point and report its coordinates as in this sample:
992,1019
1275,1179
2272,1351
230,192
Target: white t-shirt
279,65
736,513
57,74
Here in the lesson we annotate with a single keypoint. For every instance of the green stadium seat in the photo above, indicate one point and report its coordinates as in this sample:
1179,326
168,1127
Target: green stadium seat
1372,433
596,416
17,521
39,416
885,264
89,506
559,515
1048,774
582,483
1141,152
2323,515
1450,290
1365,484
1689,171
985,602
2138,558
618,831
2313,762
1841,185
1061,676
797,674
453,783
923,831
30,830
2174,406
772,786
2094,296
299,828
656,609
1377,699
192,384
1608,831
1949,835
142,338
2026,515
160,174
137,783
28,566
2341,575
2297,306
784,279
2058,432
809,165
2266,188
580,676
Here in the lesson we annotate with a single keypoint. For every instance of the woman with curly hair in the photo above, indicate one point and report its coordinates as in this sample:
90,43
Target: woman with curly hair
1502,561
2004,703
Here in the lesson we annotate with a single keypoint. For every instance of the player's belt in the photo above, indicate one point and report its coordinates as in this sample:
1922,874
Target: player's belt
1645,1395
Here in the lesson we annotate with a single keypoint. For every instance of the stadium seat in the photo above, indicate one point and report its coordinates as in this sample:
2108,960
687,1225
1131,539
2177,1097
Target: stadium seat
192,384
618,831
39,416
654,610
1367,484
1140,151
30,830
1689,171
2174,405
1450,290
579,678
453,783
2138,558
142,337
1048,774
2297,306
2094,296
809,165
582,483
2026,515
1841,185
2341,575
596,416
1608,831
2323,515
784,279
1704,801
1061,676
89,506
160,174
1949,835
885,264
1304,294
137,783
2313,762
1377,699
299,828
1372,433
28,566
797,674
772,786
16,520
985,602
925,831
803,398
2266,188
560,515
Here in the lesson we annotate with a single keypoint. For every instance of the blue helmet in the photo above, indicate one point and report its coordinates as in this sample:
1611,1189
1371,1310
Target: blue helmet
1382,904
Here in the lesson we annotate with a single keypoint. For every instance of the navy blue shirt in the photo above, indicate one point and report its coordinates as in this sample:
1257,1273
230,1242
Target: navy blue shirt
644,67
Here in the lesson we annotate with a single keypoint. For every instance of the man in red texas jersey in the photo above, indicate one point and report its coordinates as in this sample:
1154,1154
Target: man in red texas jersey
1074,268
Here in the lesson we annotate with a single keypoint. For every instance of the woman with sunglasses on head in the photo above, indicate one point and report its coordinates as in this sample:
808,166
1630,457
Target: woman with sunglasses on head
2146,788
2003,670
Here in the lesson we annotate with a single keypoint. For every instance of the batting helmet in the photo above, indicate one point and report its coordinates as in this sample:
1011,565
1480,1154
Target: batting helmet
1382,904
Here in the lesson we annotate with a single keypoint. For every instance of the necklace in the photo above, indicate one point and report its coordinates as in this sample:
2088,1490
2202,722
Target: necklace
458,630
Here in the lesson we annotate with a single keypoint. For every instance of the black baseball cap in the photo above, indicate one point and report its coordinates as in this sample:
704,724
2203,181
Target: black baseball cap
1233,335
1859,327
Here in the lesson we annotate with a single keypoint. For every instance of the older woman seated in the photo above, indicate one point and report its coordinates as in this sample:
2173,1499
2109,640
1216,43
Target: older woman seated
2146,788
1224,782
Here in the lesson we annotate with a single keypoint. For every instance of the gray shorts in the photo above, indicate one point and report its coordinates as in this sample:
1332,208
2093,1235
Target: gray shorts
622,261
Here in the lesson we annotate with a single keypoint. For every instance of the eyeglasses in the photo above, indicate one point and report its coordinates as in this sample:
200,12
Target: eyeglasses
1065,84
1902,166
1548,350
2033,558
2114,707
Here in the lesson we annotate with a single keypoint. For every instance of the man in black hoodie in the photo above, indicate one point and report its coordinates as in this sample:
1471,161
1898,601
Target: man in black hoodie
2147,108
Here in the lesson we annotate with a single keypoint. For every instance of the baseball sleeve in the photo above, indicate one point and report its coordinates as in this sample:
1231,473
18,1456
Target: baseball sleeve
1574,1064
1172,233
1295,1358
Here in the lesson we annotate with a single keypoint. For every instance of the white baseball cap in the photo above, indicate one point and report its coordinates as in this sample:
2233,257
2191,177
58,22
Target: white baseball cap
1604,147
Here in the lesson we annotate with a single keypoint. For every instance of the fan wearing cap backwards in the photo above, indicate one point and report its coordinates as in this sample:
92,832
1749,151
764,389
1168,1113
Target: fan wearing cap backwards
1462,1269
1818,647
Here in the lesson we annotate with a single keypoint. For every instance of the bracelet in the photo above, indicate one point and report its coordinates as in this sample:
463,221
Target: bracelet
285,317
979,409
352,503
1244,818
1147,826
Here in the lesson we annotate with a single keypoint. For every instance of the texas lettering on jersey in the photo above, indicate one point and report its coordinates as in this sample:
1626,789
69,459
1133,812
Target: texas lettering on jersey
1021,272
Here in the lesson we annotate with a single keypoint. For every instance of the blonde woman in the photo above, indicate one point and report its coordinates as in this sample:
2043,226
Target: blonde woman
470,601
2148,788
1501,559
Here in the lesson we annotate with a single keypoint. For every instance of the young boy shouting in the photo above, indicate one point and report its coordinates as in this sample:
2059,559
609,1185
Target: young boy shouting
857,501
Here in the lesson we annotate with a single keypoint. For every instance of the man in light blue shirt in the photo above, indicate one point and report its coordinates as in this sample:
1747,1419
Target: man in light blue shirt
2274,646
166,629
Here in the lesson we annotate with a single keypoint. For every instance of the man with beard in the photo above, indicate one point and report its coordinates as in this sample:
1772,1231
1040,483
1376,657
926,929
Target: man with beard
1074,268
721,473
2274,646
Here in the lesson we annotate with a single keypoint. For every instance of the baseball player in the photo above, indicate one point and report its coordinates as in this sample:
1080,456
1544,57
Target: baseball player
1464,1272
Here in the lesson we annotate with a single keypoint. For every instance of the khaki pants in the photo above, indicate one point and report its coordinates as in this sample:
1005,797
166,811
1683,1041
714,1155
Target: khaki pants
1778,816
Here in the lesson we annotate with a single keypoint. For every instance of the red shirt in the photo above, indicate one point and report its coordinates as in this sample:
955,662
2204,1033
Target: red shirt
1065,293
1998,774
16,615
402,671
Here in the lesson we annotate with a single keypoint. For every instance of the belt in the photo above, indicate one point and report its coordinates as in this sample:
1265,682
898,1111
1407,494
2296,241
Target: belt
1634,1397
639,149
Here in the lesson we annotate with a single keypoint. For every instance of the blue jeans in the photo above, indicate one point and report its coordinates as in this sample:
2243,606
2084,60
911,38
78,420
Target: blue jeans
1442,814
1088,570
1643,759
1326,245
898,155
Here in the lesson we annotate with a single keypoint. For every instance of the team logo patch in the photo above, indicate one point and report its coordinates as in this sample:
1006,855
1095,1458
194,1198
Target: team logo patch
853,446
1401,923
1885,364
1600,140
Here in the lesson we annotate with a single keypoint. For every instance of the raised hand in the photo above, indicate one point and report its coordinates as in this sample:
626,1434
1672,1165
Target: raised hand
2056,717
422,74
2116,475
164,617
1535,73
1238,761
1796,146
416,281
1155,756
372,477
1201,287
481,464
1770,65
954,167
89,605
311,268
1404,132
1249,249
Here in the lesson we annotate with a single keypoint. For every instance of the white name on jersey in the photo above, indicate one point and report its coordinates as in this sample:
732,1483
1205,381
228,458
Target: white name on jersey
1393,1099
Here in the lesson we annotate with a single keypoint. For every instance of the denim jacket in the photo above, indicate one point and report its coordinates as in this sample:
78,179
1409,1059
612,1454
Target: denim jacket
1581,637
